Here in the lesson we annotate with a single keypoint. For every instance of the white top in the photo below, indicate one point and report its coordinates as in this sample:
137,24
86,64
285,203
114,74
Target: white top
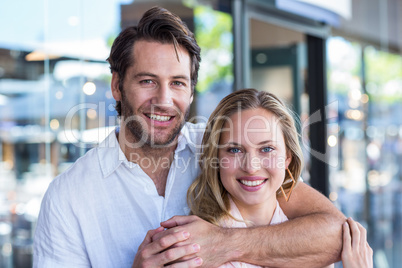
278,217
97,213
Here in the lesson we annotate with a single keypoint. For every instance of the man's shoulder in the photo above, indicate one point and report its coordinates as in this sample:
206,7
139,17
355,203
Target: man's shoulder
194,133
82,170
195,126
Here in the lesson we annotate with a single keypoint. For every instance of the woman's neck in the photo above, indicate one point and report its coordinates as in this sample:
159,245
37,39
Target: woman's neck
259,214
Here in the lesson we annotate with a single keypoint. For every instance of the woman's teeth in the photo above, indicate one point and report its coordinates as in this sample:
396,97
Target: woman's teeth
159,117
252,183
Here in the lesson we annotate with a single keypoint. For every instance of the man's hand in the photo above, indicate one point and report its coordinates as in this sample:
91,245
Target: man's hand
205,234
158,251
356,252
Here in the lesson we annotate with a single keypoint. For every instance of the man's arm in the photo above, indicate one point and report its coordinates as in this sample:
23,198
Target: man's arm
319,223
311,238
57,242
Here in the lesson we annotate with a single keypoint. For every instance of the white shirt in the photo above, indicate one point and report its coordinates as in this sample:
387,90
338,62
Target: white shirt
97,213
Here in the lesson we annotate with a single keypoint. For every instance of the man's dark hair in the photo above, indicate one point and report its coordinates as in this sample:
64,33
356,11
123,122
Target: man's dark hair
159,25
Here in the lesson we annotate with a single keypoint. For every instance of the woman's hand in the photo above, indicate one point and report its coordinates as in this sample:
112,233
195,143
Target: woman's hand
356,252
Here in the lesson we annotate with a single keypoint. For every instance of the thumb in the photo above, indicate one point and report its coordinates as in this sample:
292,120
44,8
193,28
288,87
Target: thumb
177,221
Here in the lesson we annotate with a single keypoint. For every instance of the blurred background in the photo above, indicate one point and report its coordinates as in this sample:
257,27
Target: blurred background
338,64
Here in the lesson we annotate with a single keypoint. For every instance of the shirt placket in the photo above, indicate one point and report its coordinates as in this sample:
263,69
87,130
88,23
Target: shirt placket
169,184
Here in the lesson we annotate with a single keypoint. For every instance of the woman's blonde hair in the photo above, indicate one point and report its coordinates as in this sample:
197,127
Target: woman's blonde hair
206,197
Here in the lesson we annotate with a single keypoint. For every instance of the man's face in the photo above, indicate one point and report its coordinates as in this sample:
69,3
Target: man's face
156,93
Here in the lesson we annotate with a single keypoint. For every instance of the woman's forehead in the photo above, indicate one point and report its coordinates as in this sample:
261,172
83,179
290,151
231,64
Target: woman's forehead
252,125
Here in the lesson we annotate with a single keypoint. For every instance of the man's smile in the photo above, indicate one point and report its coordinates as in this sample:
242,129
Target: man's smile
160,118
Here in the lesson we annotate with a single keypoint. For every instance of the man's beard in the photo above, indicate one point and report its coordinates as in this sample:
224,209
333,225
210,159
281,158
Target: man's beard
136,125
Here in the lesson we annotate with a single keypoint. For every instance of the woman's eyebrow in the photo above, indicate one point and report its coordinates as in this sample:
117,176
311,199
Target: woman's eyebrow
265,142
234,143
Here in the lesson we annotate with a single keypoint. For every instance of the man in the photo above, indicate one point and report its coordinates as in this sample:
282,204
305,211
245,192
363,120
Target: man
97,213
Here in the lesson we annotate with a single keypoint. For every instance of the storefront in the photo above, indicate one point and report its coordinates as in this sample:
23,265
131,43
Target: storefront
344,85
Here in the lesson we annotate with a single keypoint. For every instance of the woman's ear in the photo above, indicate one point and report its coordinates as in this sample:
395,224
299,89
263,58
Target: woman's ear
115,86
288,158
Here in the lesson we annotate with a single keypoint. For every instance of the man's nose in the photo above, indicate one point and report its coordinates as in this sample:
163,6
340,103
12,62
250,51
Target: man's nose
163,96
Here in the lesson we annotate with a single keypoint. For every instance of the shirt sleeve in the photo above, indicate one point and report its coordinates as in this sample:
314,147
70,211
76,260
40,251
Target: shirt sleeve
56,242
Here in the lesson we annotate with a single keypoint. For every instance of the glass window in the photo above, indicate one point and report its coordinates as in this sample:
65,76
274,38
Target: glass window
279,66
366,142
213,30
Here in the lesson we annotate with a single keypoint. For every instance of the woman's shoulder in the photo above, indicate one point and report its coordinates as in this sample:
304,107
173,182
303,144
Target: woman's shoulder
279,216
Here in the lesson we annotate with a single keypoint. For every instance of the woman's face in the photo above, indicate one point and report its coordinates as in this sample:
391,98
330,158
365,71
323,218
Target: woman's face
252,157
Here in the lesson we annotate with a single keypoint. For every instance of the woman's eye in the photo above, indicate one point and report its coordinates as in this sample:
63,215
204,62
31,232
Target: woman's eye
234,150
266,149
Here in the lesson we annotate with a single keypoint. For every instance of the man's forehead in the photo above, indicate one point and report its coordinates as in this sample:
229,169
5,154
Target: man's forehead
150,49
161,59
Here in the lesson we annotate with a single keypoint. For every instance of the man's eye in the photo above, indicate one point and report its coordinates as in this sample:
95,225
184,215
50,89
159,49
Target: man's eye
266,149
234,150
146,81
178,83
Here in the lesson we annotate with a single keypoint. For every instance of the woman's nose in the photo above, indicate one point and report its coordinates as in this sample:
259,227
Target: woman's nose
251,163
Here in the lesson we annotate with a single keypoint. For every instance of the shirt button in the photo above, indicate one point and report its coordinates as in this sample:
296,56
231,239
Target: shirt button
148,188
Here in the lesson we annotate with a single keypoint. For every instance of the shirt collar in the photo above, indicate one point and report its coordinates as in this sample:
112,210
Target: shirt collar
185,140
111,156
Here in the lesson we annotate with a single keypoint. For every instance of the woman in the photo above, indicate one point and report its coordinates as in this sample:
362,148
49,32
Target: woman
251,155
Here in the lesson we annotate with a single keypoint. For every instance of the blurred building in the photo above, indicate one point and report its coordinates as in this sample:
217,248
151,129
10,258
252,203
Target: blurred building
338,65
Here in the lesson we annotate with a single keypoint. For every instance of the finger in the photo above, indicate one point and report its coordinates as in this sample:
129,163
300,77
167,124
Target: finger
347,239
159,245
363,236
195,262
186,258
177,221
166,232
157,233
355,233
174,254
370,250
148,237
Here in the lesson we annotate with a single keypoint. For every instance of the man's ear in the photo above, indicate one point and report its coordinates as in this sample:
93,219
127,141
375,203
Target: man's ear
191,98
115,86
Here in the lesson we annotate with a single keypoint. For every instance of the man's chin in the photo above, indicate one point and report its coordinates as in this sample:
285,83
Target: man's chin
161,142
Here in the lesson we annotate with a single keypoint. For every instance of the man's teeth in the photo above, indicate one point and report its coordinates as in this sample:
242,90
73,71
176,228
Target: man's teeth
159,117
252,183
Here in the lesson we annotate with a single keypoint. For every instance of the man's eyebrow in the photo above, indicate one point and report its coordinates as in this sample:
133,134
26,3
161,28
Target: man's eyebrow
144,74
185,77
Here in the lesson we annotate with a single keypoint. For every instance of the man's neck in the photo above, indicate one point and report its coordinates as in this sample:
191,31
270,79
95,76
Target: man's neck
154,161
